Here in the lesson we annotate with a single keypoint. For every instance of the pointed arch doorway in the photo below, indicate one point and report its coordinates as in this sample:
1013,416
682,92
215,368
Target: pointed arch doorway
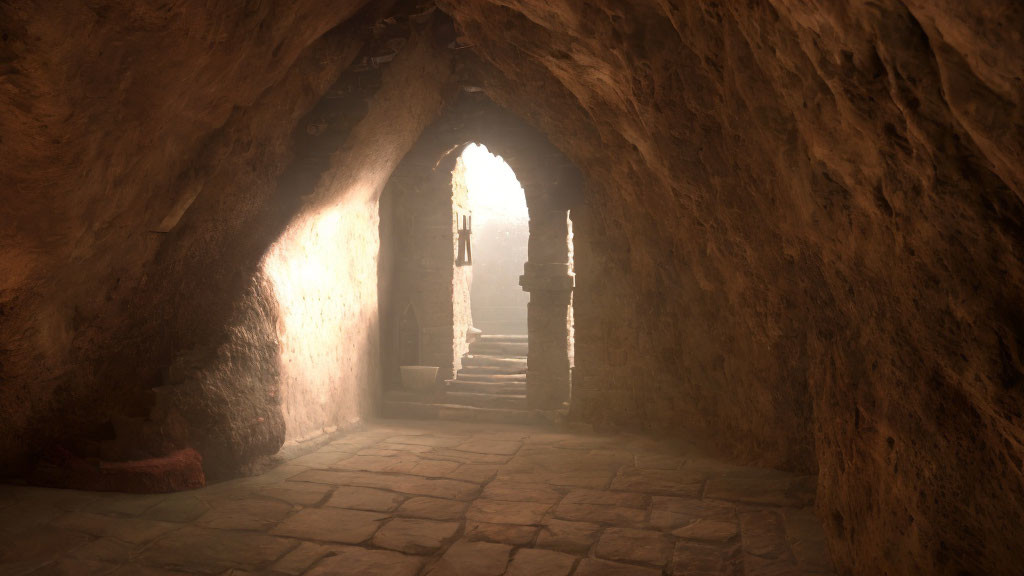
423,213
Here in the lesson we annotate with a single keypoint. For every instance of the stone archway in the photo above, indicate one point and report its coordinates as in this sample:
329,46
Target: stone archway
421,185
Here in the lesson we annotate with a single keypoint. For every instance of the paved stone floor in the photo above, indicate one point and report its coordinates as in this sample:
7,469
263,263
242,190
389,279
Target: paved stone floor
437,498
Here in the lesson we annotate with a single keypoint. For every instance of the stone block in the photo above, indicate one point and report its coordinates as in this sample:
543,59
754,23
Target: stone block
614,515
512,534
473,559
331,525
572,537
530,562
636,546
245,514
595,567
414,535
353,561
673,482
502,512
432,508
406,484
213,551
359,498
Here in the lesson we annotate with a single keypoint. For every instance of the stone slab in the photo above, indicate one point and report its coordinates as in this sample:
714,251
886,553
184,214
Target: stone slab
331,525
670,512
606,498
710,531
353,561
501,512
301,558
298,493
360,498
671,482
466,558
531,562
407,484
245,514
432,508
615,515
573,537
595,567
132,530
414,535
694,559
512,534
636,546
210,551
483,446
508,490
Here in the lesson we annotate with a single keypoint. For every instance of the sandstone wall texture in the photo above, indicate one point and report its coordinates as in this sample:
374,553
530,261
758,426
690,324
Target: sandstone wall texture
802,232
189,242
428,285
462,275
324,266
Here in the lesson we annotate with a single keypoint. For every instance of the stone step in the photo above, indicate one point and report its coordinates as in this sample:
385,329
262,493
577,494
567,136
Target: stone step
487,400
492,370
488,361
492,377
401,395
487,387
471,414
417,411
506,349
504,338
511,327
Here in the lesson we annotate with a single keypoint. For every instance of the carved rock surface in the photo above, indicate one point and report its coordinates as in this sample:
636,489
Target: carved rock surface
802,234
190,242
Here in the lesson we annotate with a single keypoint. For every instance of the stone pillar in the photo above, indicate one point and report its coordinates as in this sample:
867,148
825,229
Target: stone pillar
549,279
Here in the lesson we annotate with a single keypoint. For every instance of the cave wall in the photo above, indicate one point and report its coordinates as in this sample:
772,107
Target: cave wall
802,237
320,359
161,196
324,267
802,233
112,125
324,272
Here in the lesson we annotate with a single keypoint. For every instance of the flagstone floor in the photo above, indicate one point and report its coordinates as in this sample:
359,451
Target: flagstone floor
403,498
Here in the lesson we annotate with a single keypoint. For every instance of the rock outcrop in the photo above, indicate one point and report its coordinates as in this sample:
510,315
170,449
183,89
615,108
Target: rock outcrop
803,236
190,239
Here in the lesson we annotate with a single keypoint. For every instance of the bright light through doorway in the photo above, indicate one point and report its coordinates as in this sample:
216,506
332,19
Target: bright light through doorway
494,191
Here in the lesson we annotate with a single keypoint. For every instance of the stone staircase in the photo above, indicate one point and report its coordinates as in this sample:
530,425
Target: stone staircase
490,387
